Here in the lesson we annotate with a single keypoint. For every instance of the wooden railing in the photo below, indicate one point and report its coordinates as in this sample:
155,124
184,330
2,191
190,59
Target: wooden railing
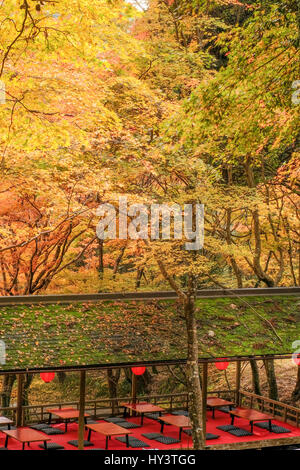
107,406
281,411
122,296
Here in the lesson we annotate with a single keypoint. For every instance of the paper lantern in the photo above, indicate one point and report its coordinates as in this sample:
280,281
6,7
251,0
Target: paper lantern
138,370
47,377
222,365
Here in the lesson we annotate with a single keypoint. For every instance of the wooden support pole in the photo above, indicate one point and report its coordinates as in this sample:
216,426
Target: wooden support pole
204,399
238,382
81,420
19,414
133,390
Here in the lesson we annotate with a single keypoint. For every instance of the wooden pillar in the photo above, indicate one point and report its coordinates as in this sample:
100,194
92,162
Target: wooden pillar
238,382
204,399
133,390
81,421
19,414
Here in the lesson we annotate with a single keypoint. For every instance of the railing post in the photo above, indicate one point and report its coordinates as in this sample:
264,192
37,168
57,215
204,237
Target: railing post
133,390
81,421
19,411
204,399
238,382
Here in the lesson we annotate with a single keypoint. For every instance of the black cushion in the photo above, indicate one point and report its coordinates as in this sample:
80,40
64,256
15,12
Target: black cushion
114,420
52,446
210,436
3,448
279,429
52,431
40,427
156,417
227,427
226,409
85,443
180,413
275,429
152,415
128,425
240,432
167,440
133,441
152,435
91,421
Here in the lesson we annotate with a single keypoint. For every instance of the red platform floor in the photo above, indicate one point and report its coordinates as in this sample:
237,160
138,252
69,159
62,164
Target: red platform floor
152,426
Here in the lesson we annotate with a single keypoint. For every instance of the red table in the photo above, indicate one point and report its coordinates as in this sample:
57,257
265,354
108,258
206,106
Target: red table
252,416
26,435
142,408
214,402
108,430
66,414
179,421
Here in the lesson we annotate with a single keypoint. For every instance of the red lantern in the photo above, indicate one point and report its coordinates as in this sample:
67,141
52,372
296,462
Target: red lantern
47,377
222,365
138,370
296,359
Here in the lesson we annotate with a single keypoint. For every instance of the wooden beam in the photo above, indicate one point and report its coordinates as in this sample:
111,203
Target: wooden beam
238,382
156,363
19,414
81,423
121,296
204,399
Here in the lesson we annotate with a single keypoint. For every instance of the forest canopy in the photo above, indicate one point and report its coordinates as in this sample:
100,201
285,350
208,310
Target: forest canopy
164,101
186,103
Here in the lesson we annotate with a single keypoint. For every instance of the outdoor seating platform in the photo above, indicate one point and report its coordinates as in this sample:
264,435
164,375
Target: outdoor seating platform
152,427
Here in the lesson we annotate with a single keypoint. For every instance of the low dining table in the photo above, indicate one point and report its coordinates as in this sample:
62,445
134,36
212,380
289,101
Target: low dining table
25,436
252,416
142,409
108,430
214,403
65,414
180,421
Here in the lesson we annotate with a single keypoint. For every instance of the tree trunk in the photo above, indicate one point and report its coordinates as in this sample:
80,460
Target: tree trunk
139,275
118,261
271,377
61,377
255,377
192,368
113,381
7,386
296,392
26,387
192,374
